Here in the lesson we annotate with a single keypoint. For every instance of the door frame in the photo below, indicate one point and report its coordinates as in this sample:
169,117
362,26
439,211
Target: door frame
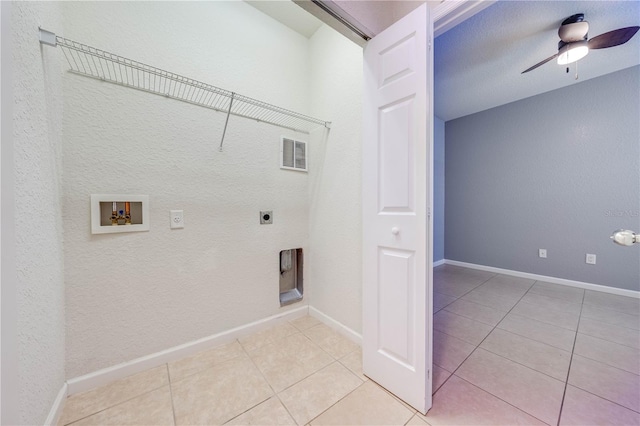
444,16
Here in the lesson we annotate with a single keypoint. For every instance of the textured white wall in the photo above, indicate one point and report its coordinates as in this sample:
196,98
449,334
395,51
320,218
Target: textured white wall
8,274
37,138
133,294
335,233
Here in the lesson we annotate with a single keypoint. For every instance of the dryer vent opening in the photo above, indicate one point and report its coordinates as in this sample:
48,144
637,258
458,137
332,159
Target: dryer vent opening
291,266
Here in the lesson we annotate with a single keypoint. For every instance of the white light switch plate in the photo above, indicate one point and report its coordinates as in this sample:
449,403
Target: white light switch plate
177,219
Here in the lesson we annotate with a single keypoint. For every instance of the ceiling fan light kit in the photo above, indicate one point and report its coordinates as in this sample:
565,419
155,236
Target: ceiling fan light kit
573,45
572,52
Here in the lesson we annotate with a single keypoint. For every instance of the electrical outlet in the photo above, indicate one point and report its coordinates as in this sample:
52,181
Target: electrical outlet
591,259
177,219
542,253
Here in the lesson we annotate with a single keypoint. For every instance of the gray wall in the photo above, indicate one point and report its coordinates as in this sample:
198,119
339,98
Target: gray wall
559,171
438,189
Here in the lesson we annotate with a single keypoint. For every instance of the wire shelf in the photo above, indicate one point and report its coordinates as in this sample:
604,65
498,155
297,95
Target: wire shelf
99,64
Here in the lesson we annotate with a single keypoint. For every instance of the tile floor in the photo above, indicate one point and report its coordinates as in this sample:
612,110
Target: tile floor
506,351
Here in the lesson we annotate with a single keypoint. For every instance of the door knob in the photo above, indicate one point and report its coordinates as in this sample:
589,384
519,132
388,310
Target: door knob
625,237
395,230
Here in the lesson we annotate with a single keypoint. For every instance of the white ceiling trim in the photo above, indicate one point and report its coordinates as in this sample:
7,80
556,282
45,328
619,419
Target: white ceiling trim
450,13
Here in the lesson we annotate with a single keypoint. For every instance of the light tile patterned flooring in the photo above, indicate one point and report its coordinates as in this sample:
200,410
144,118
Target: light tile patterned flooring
506,351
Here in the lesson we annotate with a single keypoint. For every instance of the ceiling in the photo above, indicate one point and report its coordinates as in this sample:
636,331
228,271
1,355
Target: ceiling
478,63
289,14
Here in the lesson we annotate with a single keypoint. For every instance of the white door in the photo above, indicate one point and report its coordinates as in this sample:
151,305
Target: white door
397,143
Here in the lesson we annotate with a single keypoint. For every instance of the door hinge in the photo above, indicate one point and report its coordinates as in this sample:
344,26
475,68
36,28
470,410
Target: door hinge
429,43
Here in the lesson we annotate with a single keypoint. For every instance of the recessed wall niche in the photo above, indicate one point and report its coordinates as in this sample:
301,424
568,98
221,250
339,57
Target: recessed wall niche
114,213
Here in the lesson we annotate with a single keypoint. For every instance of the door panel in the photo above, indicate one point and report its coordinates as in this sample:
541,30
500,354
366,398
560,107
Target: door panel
396,171
396,288
396,202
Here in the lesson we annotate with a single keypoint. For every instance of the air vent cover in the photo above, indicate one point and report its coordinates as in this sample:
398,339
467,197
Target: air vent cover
293,154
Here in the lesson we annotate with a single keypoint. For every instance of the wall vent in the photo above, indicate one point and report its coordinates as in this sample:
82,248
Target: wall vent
293,154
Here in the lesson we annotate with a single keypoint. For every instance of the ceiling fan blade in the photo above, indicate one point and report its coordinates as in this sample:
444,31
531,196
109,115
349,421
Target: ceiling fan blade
540,63
613,38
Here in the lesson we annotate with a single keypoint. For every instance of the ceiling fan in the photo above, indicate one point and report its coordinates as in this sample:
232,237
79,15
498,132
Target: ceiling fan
573,44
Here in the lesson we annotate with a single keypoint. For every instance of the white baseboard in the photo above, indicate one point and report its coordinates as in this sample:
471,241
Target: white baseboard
338,326
102,377
554,280
57,407
439,262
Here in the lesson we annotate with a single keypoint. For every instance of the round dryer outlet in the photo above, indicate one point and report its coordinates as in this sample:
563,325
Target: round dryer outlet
266,217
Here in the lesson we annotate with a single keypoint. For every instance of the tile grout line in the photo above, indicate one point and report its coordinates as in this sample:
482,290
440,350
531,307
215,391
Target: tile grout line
173,408
566,383
463,294
200,370
266,381
497,397
611,341
519,363
286,408
536,340
244,350
433,394
348,368
419,416
476,348
485,337
332,405
269,342
608,400
334,360
349,393
119,403
471,318
216,365
604,362
276,394
613,311
613,325
404,404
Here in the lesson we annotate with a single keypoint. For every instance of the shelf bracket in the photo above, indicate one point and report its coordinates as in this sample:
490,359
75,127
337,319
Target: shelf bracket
226,121
47,37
